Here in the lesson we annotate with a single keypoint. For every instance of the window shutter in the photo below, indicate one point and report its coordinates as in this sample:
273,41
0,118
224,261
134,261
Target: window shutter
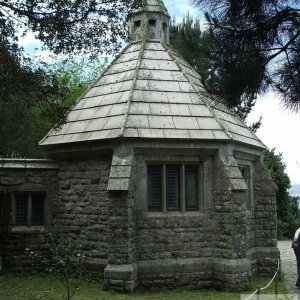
154,188
173,187
191,188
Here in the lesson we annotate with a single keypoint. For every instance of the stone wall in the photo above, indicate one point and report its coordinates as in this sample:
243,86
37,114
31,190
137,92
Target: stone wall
23,176
200,249
265,252
81,208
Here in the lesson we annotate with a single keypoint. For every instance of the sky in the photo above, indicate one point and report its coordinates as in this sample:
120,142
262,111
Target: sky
280,127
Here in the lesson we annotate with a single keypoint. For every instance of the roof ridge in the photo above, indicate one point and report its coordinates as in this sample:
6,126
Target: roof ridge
168,49
134,79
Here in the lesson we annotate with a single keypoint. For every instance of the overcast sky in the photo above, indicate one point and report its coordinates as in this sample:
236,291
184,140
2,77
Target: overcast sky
280,127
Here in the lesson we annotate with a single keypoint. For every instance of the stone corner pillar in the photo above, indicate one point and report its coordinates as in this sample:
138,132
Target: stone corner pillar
121,273
232,270
266,253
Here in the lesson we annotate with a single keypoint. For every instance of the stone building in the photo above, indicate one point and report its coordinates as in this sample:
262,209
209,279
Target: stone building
161,186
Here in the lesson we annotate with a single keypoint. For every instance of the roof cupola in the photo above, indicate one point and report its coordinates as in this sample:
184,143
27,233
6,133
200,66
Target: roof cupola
149,21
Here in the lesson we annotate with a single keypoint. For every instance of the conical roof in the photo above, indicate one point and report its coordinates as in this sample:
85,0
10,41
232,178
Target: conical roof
149,92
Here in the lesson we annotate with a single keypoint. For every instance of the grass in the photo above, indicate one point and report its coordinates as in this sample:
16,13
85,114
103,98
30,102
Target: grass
22,286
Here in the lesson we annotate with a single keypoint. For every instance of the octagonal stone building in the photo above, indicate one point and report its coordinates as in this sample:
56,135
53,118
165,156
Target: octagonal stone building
160,185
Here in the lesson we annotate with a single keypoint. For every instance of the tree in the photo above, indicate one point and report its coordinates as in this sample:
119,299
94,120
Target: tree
257,46
287,206
197,47
63,257
24,125
63,26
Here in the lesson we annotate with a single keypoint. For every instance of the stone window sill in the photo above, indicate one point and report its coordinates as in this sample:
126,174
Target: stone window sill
174,214
27,229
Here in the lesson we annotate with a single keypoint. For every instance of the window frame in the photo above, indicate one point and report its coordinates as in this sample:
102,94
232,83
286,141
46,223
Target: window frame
29,217
182,209
246,172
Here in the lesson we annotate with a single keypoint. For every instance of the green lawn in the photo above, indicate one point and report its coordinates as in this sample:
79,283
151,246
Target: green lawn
15,286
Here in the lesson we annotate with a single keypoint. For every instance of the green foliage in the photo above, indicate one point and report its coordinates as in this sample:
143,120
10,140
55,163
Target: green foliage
24,125
29,94
257,47
64,258
287,206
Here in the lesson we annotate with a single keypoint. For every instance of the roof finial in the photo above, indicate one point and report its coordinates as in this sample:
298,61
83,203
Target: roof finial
149,21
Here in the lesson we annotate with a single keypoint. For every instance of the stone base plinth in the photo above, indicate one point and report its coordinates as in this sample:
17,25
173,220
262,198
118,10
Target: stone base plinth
264,260
123,278
195,273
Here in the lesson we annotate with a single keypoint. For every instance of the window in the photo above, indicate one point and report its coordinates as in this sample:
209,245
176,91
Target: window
165,30
152,22
28,209
245,170
137,23
173,187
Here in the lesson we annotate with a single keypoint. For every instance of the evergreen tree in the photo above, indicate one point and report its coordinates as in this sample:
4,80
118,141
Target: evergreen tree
257,47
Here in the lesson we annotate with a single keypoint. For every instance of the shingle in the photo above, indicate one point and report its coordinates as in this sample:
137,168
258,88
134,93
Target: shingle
77,127
161,75
137,121
104,134
202,134
150,64
160,55
96,124
78,137
151,133
151,96
114,122
208,123
128,56
185,122
220,135
165,86
161,122
118,77
176,134
169,109
179,97
238,129
199,110
91,113
118,109
131,132
168,65
140,108
122,67
114,87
